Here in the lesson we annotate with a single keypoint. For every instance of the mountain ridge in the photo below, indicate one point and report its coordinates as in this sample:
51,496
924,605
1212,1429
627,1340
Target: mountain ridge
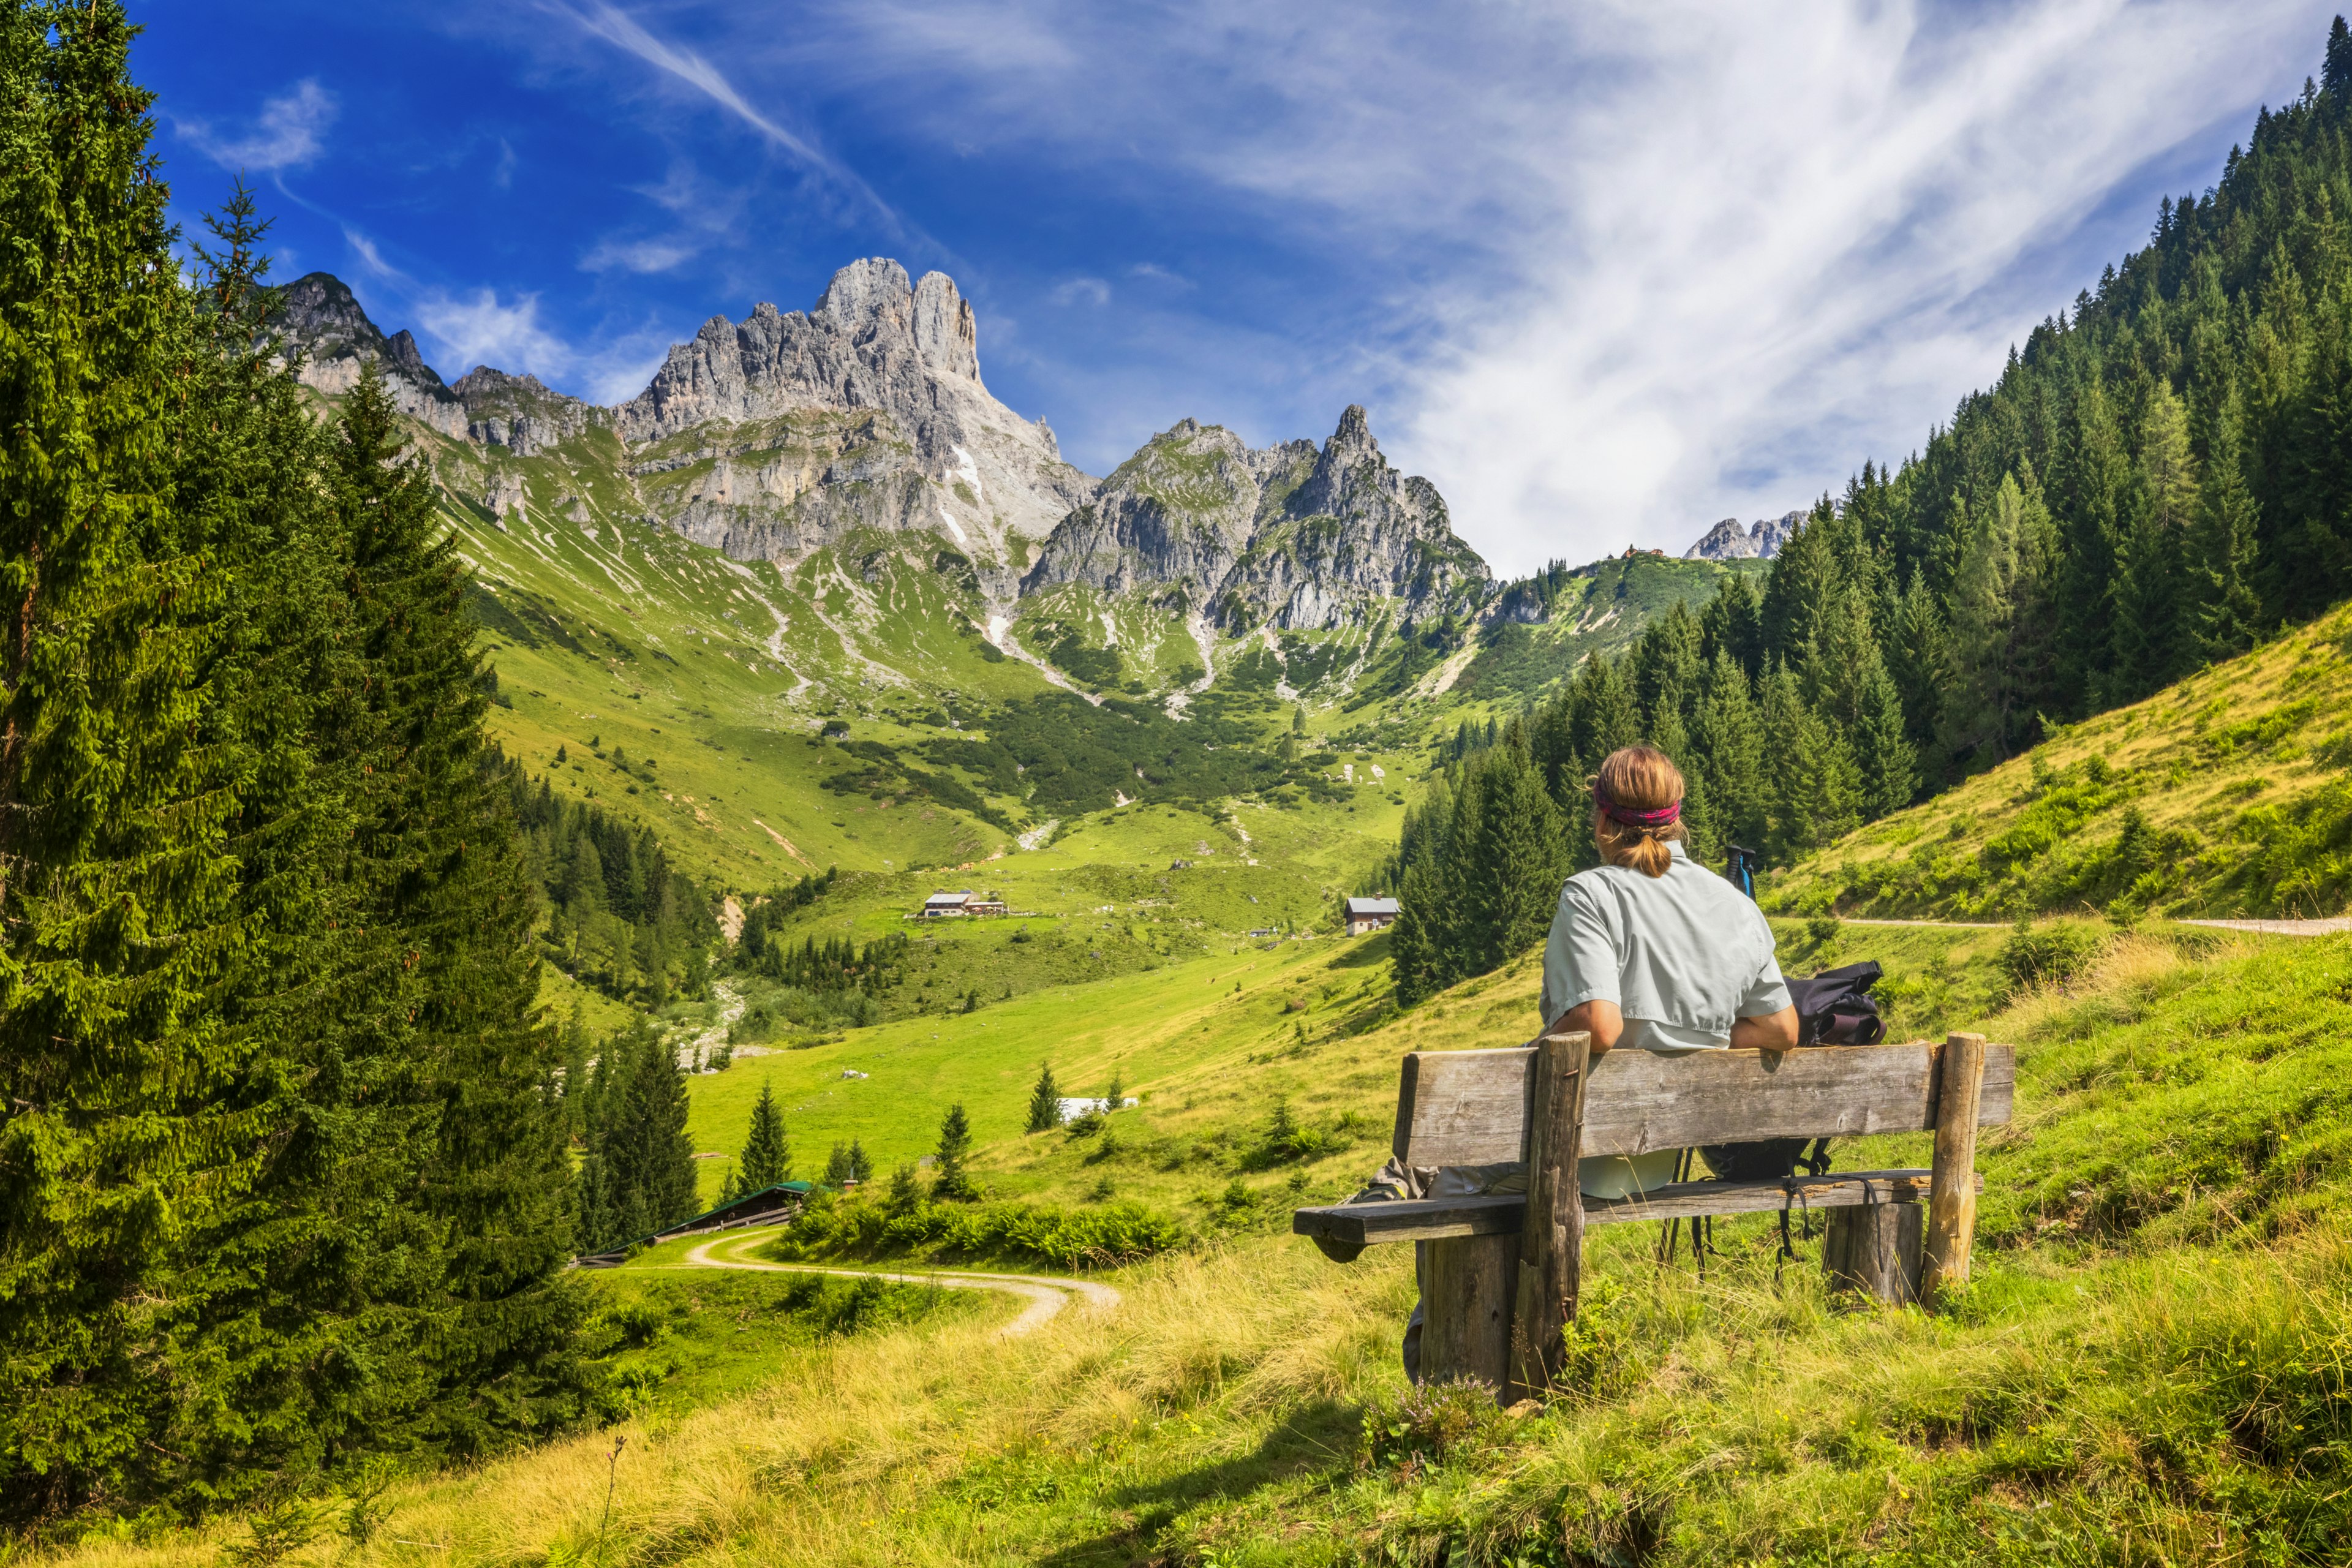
786,433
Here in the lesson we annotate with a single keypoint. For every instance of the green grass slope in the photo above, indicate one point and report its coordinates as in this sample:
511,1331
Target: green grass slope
2229,793
2150,1366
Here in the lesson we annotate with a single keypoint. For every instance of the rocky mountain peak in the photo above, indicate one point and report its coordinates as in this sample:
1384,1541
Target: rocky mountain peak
1352,441
319,315
1285,535
1761,541
1349,471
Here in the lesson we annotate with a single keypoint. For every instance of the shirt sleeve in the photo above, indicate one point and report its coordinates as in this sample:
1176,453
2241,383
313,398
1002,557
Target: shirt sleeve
1580,959
1767,993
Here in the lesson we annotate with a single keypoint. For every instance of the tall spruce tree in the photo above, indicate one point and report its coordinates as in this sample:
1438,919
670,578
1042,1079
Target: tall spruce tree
2224,612
1422,942
766,1156
952,1183
638,1173
1517,857
1815,793
439,853
155,1118
1727,743
1045,1101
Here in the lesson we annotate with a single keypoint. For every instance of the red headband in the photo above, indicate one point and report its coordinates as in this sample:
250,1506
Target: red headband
1666,816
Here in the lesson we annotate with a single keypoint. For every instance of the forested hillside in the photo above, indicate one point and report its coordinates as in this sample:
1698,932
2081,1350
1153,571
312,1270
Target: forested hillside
282,1179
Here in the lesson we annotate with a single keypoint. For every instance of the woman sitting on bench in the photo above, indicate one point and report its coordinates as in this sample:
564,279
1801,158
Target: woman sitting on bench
1649,951
1653,951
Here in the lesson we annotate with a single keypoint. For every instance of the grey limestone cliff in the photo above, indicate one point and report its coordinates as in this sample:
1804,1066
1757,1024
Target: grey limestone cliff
1760,541
1284,536
319,315
779,435
521,413
879,387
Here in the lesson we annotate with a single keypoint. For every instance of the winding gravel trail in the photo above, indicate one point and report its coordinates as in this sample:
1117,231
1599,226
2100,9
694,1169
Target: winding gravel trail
1045,1294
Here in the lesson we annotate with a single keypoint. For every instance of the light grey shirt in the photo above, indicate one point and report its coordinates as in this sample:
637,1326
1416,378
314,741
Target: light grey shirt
1682,955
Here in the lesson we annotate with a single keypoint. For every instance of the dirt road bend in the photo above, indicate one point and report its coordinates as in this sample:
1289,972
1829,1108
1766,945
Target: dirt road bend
1045,1294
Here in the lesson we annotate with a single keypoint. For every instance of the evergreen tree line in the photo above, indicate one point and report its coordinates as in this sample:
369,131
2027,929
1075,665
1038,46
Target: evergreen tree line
834,966
282,1173
2160,479
620,917
636,1167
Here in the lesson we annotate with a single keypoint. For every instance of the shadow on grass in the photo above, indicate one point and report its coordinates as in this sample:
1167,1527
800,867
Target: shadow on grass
1316,1439
1364,952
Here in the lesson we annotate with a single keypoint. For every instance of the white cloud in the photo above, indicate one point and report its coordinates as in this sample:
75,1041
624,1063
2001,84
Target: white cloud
1616,269
459,328
601,20
1726,310
1070,291
1152,272
286,134
635,256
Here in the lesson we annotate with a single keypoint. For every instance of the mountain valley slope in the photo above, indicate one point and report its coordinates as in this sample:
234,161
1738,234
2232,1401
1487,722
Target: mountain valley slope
779,606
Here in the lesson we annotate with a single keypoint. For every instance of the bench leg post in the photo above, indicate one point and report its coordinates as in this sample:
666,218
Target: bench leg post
1466,1331
1551,1243
1951,1182
1874,1249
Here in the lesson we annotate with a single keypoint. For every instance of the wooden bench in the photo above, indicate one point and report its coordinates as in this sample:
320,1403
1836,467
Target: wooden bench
1500,1287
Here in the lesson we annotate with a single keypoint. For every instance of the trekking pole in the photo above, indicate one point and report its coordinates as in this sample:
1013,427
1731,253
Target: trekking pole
612,1475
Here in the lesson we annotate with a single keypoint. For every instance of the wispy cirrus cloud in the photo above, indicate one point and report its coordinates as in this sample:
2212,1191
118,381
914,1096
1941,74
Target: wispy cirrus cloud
603,20
289,131
612,255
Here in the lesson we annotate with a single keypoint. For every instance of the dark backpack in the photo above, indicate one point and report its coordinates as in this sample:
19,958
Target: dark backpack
1833,1008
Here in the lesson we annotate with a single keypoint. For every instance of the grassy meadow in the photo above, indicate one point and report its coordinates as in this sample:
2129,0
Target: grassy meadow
2149,1365
2228,794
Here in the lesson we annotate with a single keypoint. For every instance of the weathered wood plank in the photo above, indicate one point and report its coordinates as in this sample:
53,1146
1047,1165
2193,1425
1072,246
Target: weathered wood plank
1551,1239
1466,1326
1413,1219
1429,1219
1952,1192
1874,1248
1470,1107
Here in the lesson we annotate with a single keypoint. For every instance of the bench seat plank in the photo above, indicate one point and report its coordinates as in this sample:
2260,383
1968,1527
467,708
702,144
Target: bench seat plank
1469,1108
1435,1219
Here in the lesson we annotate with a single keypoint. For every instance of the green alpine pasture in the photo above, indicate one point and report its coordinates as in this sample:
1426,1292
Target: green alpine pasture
2229,793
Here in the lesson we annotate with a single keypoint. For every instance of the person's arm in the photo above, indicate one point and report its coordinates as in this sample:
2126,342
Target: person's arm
1772,1032
1600,1018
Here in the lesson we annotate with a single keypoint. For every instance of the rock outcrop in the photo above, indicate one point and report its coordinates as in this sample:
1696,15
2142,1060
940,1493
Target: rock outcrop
521,413
1761,541
781,434
875,343
318,314
1284,536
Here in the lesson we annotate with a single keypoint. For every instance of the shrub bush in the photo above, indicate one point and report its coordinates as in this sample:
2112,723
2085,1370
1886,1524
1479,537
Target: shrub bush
2047,954
1065,1238
1424,1423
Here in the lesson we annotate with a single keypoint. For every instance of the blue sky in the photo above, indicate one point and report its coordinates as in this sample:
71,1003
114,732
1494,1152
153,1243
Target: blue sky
1604,273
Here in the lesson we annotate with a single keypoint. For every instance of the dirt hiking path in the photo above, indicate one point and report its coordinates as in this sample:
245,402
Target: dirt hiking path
1046,1295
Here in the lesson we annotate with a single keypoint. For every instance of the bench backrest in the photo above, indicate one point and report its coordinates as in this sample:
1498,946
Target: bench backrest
1470,1107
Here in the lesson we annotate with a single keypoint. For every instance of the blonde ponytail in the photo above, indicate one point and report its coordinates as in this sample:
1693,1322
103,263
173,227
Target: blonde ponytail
1638,782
